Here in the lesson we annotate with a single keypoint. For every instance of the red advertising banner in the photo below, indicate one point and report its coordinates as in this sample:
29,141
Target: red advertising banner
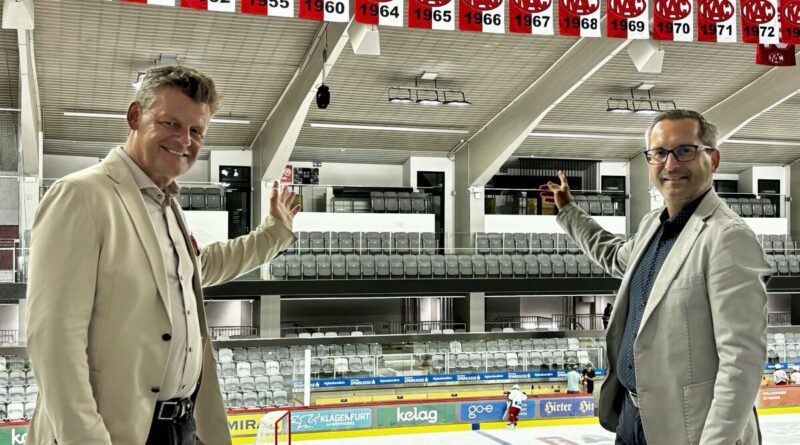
778,396
210,5
760,23
716,21
780,54
432,14
673,20
481,16
286,178
580,18
627,19
531,17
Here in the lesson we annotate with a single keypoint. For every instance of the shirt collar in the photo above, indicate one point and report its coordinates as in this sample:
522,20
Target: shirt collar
682,217
146,184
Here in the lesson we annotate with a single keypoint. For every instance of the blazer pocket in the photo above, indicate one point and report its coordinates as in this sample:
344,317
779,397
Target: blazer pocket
696,403
688,282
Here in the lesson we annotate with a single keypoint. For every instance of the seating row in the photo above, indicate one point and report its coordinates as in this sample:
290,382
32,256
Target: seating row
254,399
598,205
398,202
17,411
781,264
432,266
196,198
364,242
751,207
776,243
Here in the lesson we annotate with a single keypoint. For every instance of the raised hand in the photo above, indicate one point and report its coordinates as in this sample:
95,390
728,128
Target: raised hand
280,202
558,193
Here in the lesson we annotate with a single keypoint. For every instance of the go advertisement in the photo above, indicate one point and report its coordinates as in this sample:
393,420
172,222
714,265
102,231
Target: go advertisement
491,411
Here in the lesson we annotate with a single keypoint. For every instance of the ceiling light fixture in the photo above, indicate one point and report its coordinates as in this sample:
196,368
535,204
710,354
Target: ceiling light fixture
426,94
641,105
387,128
108,115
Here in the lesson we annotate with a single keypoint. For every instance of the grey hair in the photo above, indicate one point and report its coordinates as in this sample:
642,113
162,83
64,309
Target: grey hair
191,82
707,132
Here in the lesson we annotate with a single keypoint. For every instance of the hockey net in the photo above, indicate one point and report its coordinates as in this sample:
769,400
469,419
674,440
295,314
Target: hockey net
275,428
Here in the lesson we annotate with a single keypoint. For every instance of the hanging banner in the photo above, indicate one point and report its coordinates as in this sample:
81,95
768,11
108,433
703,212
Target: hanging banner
380,12
716,21
481,16
579,18
673,20
760,23
325,10
274,8
776,55
627,19
210,5
152,2
531,17
790,21
432,14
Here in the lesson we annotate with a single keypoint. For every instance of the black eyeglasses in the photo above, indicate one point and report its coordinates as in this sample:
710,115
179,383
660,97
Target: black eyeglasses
682,153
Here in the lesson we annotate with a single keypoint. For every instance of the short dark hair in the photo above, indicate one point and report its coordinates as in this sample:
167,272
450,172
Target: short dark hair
191,82
707,132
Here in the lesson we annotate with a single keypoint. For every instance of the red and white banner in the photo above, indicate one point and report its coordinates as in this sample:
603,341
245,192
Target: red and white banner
627,19
286,177
760,22
531,17
432,14
275,8
482,16
790,21
152,2
716,21
380,12
673,20
579,18
775,55
211,5
325,10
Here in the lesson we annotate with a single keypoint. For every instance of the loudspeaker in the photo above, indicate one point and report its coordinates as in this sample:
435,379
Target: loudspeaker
323,96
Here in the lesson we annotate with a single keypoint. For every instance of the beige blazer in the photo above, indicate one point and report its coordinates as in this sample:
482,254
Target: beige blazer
701,346
98,305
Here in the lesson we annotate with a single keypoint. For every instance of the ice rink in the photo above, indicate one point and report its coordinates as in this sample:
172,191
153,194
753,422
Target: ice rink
777,429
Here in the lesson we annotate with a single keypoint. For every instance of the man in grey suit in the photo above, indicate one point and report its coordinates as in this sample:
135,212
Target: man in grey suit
687,336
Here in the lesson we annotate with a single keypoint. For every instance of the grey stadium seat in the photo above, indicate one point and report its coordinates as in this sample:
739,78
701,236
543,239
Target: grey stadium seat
381,266
368,266
747,208
378,204
584,265
317,242
390,200
557,262
303,243
482,243
184,200
478,266
213,199
331,240
277,267
548,243
545,266
404,202
521,243
345,242
532,265
570,264
338,266
438,267
418,202
429,243
451,265
465,265
506,265
766,204
198,198
325,265
518,265
410,266
400,243
492,265
606,205
595,208
353,265
396,266
495,243
758,208
309,265
535,243
373,242
424,266
413,242
386,242
582,202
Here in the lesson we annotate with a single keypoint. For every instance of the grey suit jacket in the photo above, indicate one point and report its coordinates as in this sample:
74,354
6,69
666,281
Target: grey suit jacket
98,305
701,346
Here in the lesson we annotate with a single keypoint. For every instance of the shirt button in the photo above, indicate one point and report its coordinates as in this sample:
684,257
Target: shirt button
183,386
166,337
155,389
190,349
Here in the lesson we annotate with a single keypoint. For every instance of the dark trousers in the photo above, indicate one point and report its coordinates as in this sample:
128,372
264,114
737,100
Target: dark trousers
173,432
629,429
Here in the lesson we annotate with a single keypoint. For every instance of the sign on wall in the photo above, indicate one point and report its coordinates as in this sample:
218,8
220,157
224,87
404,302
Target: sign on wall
379,12
716,21
790,20
491,411
325,10
628,19
760,21
566,407
331,419
410,415
275,8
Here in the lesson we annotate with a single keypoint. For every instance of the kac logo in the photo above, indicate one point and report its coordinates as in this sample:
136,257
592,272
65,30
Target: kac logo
758,11
791,12
581,7
673,9
716,10
533,6
433,3
628,8
483,5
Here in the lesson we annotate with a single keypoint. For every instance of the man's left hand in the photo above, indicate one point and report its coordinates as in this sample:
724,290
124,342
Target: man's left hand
280,205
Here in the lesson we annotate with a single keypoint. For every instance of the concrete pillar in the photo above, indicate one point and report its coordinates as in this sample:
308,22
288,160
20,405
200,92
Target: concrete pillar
269,316
794,207
469,203
639,202
794,311
22,332
472,311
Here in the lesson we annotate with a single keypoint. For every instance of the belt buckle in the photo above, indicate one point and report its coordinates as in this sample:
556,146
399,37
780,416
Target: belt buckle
162,416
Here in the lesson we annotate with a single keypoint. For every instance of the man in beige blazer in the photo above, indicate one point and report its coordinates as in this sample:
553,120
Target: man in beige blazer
687,336
117,334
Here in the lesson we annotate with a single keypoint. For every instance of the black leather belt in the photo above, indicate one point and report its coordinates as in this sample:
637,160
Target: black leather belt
175,409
